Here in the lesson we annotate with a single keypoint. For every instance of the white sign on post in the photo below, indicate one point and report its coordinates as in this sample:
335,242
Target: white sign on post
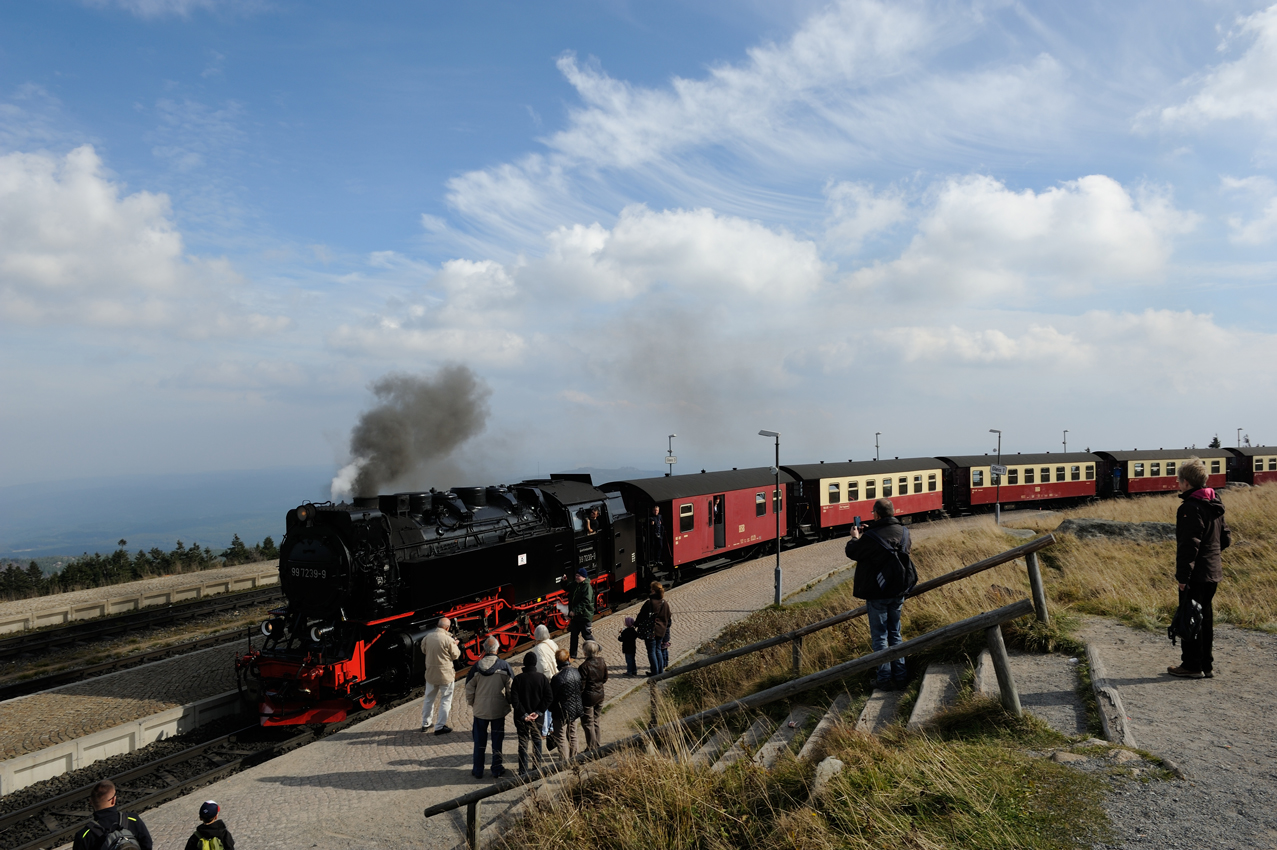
997,470
671,459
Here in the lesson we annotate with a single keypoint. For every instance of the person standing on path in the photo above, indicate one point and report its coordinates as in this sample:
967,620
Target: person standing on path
530,695
212,831
109,820
546,649
581,610
655,618
629,646
488,693
566,707
1201,535
593,677
884,574
441,650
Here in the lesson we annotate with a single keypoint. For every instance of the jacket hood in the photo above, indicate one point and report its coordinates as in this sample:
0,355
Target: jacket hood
490,664
216,829
1209,497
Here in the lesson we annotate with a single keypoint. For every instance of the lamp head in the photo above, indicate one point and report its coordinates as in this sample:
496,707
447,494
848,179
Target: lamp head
769,433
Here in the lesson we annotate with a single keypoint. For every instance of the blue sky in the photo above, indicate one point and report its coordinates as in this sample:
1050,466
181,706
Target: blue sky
222,220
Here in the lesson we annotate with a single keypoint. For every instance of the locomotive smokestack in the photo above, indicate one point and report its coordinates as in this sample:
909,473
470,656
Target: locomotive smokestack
419,419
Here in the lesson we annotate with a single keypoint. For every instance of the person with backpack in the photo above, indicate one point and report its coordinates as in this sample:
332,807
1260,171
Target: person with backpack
653,626
884,575
488,695
211,834
1201,535
111,829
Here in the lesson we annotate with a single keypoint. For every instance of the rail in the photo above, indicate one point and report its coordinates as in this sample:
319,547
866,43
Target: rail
990,622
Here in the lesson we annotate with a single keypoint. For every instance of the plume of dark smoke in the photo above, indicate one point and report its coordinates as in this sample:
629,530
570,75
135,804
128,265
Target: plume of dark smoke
419,420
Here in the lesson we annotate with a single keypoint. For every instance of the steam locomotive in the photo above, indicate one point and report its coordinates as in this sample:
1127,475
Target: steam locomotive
366,580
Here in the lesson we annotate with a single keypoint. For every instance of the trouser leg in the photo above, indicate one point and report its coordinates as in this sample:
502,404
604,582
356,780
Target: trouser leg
498,739
445,704
1199,654
590,723
479,734
428,707
894,606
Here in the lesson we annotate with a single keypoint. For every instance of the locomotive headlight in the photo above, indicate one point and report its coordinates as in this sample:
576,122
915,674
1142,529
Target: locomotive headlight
318,632
273,626
305,513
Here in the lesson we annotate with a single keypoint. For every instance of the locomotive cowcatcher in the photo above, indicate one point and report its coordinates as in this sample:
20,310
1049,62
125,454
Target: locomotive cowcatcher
364,582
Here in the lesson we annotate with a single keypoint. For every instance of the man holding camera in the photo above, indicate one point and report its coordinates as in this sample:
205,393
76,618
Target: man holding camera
884,576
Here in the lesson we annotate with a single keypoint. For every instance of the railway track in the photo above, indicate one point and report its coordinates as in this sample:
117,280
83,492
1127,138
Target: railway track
159,615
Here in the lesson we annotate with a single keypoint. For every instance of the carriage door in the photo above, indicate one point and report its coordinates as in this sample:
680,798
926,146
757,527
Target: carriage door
718,508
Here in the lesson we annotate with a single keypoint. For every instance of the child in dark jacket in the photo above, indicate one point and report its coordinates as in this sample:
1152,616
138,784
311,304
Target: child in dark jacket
211,831
629,645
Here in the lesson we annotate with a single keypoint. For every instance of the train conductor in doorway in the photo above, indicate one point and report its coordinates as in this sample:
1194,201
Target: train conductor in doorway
580,610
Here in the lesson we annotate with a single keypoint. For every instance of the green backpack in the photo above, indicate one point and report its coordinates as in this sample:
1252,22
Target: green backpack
213,843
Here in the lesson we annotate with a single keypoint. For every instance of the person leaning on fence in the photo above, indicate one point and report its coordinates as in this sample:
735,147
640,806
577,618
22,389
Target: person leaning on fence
488,693
566,706
884,574
211,834
441,650
593,672
1201,535
111,827
530,696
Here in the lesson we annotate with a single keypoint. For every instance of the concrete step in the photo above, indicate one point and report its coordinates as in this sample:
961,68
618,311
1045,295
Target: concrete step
832,717
879,712
713,747
770,752
939,688
745,745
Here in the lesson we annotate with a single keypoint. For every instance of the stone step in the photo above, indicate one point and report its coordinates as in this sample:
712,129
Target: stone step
832,718
939,688
879,712
986,678
745,745
770,752
713,747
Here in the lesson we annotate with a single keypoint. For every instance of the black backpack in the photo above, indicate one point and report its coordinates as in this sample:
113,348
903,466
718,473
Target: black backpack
121,838
1187,622
897,576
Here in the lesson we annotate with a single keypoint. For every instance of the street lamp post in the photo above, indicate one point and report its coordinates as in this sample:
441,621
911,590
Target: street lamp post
876,435
1066,440
669,456
775,494
1239,438
997,505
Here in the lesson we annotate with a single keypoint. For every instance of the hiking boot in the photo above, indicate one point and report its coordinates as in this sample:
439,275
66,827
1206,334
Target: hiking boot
1185,673
1207,674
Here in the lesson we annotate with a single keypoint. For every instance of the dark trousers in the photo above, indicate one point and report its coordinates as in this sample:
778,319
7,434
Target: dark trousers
1198,654
529,743
479,733
579,627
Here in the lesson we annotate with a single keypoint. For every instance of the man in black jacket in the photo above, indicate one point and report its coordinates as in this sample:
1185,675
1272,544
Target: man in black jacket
531,695
107,819
1200,536
878,582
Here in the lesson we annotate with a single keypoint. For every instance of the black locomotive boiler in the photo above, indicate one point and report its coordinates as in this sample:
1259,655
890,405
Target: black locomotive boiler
365,580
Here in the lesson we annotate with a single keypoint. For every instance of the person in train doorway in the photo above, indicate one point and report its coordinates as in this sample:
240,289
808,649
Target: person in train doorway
656,539
884,576
1201,536
488,693
580,610
441,650
110,827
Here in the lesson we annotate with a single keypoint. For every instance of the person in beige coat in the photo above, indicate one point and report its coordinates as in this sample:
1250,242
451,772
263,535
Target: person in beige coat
441,650
546,650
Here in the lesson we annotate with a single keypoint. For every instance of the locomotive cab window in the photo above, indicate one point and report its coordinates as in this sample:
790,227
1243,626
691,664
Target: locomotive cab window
760,504
886,488
1139,470
1214,467
871,489
931,482
1013,476
1090,471
835,494
686,518
1028,475
977,478
853,491
1075,473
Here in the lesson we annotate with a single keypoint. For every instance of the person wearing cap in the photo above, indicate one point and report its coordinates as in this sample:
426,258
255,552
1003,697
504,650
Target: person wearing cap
530,696
441,650
108,819
580,610
211,834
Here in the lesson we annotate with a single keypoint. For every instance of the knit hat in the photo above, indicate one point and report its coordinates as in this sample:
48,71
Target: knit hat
208,811
583,572
541,632
629,621
529,660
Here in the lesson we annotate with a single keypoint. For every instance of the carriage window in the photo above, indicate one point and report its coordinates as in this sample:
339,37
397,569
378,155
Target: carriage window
870,492
931,483
1090,471
1046,475
1259,464
917,484
886,488
1214,467
686,518
977,478
853,491
1272,464
1170,467
1139,470
1075,473
777,500
1155,469
760,504
835,494
1013,476
904,485
1059,474
1028,475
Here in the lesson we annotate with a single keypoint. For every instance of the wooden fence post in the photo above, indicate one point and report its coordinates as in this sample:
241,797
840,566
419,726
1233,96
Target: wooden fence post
1002,666
798,655
1039,592
651,689
472,825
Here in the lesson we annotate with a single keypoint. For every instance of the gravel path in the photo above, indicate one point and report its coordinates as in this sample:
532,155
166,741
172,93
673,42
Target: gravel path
1047,685
1222,732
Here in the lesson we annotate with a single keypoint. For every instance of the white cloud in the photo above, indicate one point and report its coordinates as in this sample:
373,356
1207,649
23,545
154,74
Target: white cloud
178,8
1038,343
79,251
856,212
1244,88
980,239
1262,229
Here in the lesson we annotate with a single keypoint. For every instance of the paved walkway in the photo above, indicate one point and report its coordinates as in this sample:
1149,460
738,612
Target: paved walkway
365,787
